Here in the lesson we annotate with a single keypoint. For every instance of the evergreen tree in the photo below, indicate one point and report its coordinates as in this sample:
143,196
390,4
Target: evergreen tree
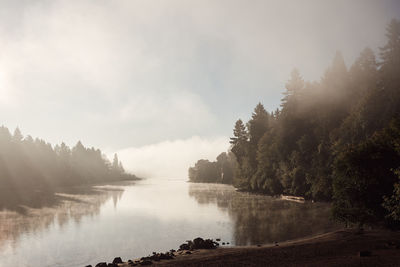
240,141
258,124
293,88
115,164
17,136
390,54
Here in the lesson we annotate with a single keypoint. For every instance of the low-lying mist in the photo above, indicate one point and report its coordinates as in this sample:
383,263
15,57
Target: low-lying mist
171,158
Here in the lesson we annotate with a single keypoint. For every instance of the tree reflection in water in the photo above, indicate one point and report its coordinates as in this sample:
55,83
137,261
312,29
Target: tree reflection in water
30,212
262,219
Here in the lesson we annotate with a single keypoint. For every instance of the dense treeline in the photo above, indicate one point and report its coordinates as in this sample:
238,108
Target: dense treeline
220,171
28,163
333,140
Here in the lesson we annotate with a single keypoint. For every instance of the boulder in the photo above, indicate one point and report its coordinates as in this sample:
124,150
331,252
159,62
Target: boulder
184,246
210,244
101,264
117,260
198,243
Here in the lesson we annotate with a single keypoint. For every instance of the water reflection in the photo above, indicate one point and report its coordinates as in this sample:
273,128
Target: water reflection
262,219
82,226
31,212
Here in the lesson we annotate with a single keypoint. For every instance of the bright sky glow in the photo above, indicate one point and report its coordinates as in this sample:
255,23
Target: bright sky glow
129,75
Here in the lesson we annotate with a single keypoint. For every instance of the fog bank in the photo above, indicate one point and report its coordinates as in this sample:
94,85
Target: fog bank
171,158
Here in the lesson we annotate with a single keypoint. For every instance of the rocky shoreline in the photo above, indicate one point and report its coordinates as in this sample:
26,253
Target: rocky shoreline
345,247
184,249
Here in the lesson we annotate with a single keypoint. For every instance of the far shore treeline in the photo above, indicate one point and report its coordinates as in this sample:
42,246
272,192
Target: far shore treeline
334,140
220,171
26,164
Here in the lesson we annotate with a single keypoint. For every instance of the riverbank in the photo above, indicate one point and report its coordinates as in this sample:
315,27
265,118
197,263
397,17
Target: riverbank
339,248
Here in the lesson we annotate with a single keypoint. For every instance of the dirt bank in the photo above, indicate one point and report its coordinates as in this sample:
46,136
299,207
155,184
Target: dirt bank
339,248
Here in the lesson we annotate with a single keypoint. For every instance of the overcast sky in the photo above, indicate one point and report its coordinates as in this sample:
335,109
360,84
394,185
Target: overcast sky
164,81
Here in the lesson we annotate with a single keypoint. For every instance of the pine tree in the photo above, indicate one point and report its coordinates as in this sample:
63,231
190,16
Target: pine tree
390,53
293,87
17,136
239,141
390,70
258,124
115,164
121,167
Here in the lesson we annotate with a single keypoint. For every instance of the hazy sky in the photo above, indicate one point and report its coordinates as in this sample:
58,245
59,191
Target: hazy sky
163,82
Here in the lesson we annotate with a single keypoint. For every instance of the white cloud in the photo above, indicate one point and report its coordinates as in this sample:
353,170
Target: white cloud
171,159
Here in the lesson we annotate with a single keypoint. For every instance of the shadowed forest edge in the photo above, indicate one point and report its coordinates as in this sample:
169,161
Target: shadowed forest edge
334,140
28,166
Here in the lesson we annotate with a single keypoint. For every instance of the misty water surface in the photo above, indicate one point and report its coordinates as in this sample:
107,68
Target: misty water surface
81,226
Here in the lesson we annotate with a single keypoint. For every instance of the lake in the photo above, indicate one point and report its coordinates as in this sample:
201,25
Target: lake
81,226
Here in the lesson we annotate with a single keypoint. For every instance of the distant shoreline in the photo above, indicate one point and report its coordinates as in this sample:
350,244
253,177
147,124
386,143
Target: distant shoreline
293,198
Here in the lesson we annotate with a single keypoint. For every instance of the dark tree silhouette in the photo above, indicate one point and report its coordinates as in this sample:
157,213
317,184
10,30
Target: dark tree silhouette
27,164
334,140
220,171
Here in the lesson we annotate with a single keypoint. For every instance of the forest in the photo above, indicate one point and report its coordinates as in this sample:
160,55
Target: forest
334,140
29,164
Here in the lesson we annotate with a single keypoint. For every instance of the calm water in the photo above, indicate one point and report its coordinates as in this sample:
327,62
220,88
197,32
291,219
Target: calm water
81,226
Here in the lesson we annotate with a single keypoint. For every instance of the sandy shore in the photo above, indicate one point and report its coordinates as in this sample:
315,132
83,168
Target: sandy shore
339,248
